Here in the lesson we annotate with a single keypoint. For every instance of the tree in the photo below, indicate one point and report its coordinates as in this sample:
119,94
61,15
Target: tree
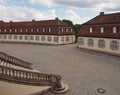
68,22
76,27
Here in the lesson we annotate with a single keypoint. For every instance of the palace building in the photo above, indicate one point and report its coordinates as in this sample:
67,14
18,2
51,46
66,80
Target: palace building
101,33
42,32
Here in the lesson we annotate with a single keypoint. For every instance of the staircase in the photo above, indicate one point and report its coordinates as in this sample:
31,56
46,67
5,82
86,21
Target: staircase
16,71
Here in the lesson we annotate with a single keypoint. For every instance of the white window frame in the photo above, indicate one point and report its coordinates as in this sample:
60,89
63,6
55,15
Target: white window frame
91,29
101,29
114,29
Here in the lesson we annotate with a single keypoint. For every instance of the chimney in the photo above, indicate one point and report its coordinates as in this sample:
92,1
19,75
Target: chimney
33,20
56,18
101,13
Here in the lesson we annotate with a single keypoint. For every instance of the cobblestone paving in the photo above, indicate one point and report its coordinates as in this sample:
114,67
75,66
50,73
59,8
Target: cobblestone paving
84,71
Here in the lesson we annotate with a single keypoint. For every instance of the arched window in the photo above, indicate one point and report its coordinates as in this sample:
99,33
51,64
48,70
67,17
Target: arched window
55,39
10,37
114,45
90,42
101,44
48,38
81,41
37,38
43,38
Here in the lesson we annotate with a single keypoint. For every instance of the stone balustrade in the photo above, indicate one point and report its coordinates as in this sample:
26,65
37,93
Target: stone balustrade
10,70
27,77
15,61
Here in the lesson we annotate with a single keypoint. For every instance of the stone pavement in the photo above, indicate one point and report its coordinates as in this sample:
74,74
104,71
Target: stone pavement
84,71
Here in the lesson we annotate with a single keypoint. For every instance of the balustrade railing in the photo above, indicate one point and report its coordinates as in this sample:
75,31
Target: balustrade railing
10,72
27,77
15,61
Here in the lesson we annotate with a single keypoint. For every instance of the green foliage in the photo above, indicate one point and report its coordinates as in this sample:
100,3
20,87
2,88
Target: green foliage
76,27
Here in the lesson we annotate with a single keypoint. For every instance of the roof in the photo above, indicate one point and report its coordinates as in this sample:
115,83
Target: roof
41,23
108,21
112,18
54,24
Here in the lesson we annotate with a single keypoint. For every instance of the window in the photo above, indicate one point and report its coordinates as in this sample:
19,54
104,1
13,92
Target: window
0,30
81,41
20,30
20,37
91,30
26,30
15,37
26,37
43,38
67,39
5,36
37,30
62,39
62,29
10,37
72,38
5,30
55,39
31,30
90,42
114,45
101,44
66,30
102,29
48,38
43,30
114,29
37,38
10,30
15,30
50,29
71,29
0,36
31,37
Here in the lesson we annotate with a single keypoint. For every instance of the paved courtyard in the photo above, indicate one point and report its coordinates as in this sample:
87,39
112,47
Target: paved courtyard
84,71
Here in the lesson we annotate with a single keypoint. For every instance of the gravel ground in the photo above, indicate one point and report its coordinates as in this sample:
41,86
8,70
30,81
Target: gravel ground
84,71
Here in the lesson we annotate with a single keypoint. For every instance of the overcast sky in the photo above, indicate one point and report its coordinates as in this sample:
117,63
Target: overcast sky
79,11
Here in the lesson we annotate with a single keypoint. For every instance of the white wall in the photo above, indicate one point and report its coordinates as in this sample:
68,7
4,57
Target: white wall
65,39
107,48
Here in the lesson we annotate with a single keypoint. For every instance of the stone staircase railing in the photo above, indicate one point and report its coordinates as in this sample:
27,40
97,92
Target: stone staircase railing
29,77
15,61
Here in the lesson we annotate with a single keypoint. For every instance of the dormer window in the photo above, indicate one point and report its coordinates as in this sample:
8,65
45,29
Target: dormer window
50,29
31,30
26,30
43,30
5,30
66,30
91,30
114,29
102,30
10,30
15,30
62,29
37,30
20,30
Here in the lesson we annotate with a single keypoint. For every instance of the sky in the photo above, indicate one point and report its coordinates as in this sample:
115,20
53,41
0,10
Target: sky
78,11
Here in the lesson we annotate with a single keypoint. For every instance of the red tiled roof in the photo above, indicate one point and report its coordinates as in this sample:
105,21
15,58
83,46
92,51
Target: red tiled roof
108,21
105,19
55,24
